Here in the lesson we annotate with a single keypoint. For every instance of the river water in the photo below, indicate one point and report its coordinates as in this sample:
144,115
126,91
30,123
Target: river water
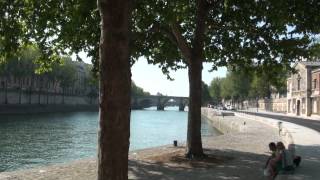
40,139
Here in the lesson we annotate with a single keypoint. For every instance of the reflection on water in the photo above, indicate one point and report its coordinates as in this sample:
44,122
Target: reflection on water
30,140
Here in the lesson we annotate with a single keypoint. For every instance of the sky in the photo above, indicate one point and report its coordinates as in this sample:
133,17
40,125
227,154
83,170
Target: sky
151,79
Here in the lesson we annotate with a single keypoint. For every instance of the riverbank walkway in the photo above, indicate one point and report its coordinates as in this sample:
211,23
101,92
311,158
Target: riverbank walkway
302,132
238,154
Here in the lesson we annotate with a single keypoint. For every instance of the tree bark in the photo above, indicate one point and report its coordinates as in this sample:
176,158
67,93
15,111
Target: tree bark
194,142
115,85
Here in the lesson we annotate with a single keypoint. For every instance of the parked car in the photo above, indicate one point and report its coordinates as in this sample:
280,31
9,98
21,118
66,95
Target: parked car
230,107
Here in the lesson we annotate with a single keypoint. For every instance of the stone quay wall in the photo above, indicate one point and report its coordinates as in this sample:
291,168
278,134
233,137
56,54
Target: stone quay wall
42,103
43,98
222,121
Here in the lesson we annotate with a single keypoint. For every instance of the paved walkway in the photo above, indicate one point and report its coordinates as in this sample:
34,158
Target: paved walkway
238,155
306,141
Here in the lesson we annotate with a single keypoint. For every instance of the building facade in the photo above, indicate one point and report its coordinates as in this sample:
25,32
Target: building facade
303,95
32,88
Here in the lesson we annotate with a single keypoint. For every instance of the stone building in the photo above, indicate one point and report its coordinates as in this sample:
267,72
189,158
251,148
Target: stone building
303,95
31,88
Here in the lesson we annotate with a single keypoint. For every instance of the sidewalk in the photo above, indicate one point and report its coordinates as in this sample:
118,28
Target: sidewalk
306,142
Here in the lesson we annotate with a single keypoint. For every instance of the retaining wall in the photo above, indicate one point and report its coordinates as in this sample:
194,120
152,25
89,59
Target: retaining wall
34,108
220,121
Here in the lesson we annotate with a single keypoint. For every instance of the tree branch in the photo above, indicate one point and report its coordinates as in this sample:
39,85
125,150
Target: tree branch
158,28
181,42
199,33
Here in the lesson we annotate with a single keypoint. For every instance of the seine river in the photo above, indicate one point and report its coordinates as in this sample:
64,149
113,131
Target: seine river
40,139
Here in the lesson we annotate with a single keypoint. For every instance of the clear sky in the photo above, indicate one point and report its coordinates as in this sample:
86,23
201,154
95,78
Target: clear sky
151,79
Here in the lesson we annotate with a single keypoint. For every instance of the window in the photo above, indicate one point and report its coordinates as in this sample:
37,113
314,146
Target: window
314,83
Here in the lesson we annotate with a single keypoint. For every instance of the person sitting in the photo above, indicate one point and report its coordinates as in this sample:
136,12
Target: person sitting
296,159
281,163
286,163
273,149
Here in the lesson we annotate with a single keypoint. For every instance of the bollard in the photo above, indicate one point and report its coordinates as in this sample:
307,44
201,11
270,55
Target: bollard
175,143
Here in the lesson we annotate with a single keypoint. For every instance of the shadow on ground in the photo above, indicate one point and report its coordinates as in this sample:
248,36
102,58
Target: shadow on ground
235,165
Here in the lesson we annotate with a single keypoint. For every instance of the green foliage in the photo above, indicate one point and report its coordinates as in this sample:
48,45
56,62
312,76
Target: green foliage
260,87
315,50
215,90
66,73
241,84
21,63
24,63
138,91
12,27
57,27
239,34
236,85
206,98
269,80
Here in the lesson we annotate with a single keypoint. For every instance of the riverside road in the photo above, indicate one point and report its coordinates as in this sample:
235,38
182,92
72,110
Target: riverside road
312,124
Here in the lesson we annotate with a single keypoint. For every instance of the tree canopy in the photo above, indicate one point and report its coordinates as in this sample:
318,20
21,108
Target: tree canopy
174,34
138,91
241,85
206,98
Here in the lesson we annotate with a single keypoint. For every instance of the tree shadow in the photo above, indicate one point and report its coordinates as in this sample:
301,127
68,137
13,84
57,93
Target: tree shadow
310,164
230,165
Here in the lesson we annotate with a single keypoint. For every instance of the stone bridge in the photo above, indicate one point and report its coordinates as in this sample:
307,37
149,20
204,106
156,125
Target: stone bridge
140,102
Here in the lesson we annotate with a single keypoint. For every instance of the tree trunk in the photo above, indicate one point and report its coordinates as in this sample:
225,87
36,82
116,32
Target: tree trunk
115,85
194,142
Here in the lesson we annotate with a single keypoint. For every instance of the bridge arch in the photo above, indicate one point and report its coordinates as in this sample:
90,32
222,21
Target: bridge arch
140,102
